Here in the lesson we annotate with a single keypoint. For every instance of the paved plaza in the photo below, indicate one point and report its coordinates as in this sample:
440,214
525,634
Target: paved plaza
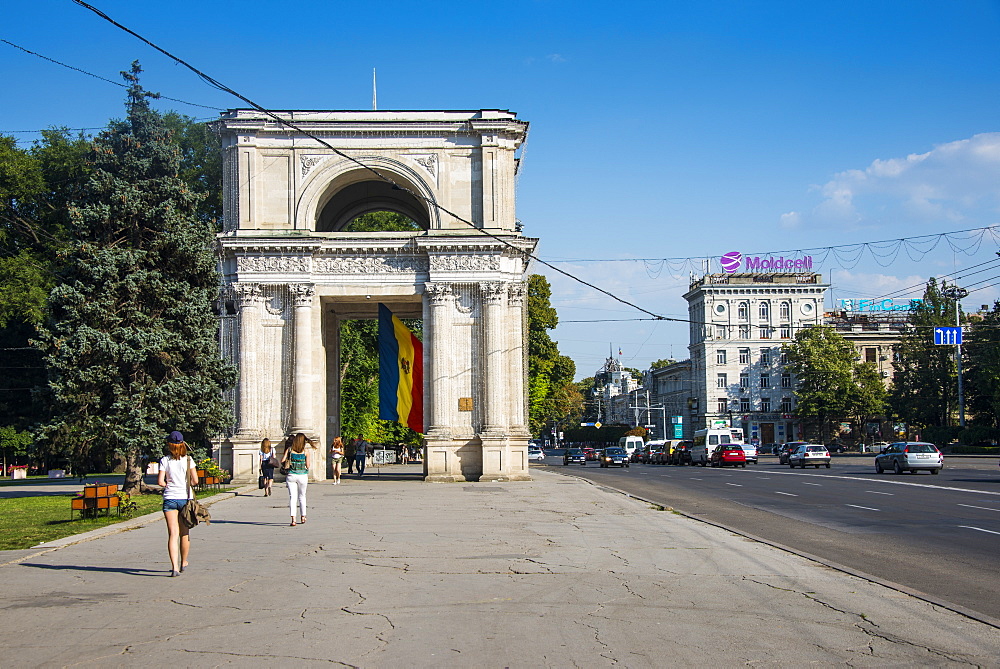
391,571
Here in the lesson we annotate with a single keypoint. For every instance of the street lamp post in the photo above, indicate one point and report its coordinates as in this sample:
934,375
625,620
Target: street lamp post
956,293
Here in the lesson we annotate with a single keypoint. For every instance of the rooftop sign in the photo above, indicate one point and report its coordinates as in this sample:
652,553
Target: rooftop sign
731,263
880,305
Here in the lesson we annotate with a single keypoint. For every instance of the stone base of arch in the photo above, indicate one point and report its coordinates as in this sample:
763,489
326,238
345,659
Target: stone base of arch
480,458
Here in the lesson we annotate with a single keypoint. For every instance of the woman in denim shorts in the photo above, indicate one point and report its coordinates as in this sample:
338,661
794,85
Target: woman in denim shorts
177,477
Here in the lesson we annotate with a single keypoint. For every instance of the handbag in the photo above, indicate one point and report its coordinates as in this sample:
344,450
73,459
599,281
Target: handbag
261,481
285,464
193,511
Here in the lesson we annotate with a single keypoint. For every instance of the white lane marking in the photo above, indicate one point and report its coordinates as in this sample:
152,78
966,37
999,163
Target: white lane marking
866,508
816,484
984,508
738,485
889,481
694,479
969,527
785,493
876,492
764,478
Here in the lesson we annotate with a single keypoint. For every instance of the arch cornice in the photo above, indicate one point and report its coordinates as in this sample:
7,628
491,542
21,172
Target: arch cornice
315,191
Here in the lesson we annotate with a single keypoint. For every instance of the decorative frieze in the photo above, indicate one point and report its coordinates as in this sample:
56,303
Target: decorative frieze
369,264
272,263
465,263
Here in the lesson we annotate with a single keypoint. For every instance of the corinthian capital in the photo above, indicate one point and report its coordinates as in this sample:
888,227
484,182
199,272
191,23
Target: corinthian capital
493,292
247,294
302,293
516,293
439,294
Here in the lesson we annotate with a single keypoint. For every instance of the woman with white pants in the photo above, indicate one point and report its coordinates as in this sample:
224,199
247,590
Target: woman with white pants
298,461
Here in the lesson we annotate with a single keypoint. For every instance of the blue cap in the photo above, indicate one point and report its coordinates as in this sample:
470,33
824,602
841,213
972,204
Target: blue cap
175,437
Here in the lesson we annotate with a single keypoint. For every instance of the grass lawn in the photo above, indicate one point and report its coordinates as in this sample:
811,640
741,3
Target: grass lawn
29,521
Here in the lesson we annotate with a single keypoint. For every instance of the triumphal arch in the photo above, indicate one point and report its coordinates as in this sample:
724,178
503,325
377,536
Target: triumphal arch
292,274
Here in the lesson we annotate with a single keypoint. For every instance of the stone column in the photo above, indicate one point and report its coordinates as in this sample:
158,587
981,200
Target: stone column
517,345
495,387
304,391
438,331
249,301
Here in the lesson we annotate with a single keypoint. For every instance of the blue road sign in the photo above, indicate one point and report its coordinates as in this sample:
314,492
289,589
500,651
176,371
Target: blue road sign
948,336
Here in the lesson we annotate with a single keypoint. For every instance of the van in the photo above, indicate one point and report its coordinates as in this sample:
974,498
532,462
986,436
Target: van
706,441
630,444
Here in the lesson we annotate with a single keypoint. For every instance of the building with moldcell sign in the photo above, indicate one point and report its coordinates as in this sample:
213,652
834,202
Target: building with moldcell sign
739,323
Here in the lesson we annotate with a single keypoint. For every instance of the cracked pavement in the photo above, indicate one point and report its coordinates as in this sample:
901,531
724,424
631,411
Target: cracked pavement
391,573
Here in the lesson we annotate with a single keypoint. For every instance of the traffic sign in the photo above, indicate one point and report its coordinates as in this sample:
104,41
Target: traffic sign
597,424
948,336
588,424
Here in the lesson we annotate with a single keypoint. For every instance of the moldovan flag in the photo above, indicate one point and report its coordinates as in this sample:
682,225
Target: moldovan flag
401,372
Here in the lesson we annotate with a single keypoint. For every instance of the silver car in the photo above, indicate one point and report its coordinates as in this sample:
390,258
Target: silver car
809,454
909,456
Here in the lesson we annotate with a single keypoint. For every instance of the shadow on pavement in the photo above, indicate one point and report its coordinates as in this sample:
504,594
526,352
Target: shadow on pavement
115,570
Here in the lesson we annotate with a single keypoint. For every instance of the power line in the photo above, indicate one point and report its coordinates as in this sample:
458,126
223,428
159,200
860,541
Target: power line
216,84
96,76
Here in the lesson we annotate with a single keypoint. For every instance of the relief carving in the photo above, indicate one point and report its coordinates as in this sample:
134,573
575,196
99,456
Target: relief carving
439,294
369,264
297,263
428,162
309,162
302,293
466,263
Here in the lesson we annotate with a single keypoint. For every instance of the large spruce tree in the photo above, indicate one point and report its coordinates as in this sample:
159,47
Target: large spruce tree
131,342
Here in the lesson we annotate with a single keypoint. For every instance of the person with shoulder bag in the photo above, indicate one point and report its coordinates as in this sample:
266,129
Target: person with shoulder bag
296,464
177,476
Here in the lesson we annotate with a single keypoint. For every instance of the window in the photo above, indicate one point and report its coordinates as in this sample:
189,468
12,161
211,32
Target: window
786,311
744,356
784,357
721,381
745,404
765,311
765,357
720,332
786,380
765,333
744,332
765,380
765,404
722,405
786,333
743,312
744,381
720,356
871,355
786,405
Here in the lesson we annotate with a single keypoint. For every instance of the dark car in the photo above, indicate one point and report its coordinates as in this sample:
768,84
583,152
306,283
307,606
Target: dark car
787,449
615,457
768,449
728,454
575,455
682,454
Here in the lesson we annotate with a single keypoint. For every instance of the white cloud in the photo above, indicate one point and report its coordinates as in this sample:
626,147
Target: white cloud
556,58
790,221
957,182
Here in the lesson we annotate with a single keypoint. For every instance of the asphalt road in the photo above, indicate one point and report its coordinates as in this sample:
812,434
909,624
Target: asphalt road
936,534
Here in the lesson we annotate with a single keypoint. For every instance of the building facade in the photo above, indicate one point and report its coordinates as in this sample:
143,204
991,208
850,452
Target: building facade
739,323
670,393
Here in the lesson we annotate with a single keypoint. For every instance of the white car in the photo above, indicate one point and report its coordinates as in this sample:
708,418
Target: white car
536,454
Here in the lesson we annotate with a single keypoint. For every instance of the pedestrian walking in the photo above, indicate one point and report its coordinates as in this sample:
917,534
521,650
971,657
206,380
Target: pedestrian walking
349,452
336,455
267,463
404,454
299,462
177,476
360,455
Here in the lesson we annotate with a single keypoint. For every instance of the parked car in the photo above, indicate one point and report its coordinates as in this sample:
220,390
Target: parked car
809,454
590,453
616,457
768,449
909,456
535,454
786,449
653,453
750,451
575,455
728,454
681,454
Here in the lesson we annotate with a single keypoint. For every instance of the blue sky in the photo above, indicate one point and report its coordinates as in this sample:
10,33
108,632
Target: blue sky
658,129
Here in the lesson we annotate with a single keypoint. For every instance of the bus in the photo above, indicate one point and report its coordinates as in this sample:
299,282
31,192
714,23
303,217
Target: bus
707,440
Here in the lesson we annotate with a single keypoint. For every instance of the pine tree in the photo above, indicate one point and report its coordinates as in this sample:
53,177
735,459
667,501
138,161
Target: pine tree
131,341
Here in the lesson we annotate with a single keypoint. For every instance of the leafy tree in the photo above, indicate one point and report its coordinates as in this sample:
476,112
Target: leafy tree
382,221
549,372
982,373
131,340
825,365
664,362
924,384
868,397
201,162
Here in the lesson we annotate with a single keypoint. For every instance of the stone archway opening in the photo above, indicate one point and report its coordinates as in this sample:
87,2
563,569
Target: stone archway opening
346,204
